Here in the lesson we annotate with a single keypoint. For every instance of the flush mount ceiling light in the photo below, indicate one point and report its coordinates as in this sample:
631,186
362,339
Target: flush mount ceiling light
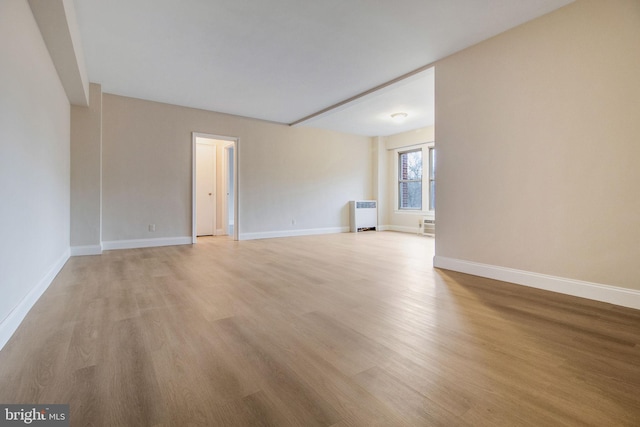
398,117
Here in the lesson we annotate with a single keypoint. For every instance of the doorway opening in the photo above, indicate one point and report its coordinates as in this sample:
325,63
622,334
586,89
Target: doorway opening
214,186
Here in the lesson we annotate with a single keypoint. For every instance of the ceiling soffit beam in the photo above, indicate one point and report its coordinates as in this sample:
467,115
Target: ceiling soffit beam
59,28
362,95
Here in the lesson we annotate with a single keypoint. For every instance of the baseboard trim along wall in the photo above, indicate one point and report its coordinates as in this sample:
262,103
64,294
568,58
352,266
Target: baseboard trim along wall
292,233
86,250
10,323
594,291
145,243
404,229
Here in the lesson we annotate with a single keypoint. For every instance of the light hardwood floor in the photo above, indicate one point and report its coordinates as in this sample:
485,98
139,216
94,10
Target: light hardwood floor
334,330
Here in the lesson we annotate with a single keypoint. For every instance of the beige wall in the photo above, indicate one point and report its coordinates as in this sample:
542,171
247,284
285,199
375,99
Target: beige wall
285,173
86,166
537,132
413,137
34,163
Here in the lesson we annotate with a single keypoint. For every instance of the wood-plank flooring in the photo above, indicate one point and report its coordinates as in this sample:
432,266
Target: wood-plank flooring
333,330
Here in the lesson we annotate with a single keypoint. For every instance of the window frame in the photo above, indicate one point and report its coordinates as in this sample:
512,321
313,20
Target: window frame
402,181
425,147
431,165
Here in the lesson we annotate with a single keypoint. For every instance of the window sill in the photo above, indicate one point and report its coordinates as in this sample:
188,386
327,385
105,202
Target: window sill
416,212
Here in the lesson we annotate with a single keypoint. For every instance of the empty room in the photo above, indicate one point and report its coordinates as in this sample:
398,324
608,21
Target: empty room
219,213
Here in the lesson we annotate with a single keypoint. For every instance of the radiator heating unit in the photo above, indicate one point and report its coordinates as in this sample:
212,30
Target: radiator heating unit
364,215
427,226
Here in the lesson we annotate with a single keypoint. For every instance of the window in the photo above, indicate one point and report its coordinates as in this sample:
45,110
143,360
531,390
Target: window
410,180
416,172
432,178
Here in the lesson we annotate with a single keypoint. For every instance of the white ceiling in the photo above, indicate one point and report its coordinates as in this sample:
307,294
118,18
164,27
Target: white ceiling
283,60
370,115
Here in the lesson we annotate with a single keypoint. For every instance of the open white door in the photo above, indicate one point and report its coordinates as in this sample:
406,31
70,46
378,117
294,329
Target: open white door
206,189
229,188
205,204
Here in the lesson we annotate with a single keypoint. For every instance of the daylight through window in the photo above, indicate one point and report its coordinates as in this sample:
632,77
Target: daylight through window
410,180
432,178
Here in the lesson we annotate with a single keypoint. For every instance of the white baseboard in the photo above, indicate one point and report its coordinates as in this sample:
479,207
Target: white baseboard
146,243
399,229
404,229
86,250
594,291
292,233
10,323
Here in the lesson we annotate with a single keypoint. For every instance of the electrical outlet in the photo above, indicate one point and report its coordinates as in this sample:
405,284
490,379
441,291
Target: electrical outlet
152,227
293,221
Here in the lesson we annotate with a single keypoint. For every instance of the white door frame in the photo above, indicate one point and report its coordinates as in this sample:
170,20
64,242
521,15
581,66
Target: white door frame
236,213
225,198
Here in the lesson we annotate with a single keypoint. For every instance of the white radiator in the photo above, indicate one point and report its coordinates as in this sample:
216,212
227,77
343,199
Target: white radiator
364,215
428,226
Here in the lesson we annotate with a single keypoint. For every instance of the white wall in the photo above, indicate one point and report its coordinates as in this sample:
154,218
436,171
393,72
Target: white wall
34,165
537,132
285,173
